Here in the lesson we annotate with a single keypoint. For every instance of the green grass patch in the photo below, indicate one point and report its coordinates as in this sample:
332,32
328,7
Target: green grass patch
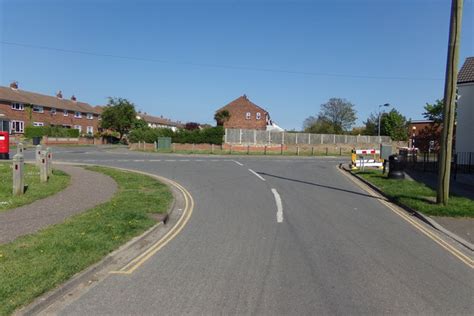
34,264
35,189
418,196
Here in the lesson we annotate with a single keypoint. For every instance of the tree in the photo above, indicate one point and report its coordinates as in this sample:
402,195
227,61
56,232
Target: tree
394,124
434,112
221,117
119,115
339,113
190,126
317,125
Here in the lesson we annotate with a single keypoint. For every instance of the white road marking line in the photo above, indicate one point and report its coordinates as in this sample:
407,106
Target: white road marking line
184,160
259,176
279,206
198,160
139,160
240,164
170,160
154,160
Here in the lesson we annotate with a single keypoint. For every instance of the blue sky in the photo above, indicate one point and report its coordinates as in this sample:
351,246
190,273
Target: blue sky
185,59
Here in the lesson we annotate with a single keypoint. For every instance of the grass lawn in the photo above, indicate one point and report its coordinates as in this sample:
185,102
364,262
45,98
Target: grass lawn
418,196
35,190
34,264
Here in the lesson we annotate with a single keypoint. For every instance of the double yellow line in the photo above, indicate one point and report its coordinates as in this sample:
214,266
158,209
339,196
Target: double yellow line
455,252
142,258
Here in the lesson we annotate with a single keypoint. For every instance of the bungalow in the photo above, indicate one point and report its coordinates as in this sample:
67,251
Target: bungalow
24,108
465,108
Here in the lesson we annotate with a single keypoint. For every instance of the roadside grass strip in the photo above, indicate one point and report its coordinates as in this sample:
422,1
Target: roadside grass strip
35,189
34,264
418,196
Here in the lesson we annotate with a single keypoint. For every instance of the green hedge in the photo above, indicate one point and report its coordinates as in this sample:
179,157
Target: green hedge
211,135
52,131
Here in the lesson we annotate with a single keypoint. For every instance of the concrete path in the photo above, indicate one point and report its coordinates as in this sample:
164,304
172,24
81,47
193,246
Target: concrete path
86,190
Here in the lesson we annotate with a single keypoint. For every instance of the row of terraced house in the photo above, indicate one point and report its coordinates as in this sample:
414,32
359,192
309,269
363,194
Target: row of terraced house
20,108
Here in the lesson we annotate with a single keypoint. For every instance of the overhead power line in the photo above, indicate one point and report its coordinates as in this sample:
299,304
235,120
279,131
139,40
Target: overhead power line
221,66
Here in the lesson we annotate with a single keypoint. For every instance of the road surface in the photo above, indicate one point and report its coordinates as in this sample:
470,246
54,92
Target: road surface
278,236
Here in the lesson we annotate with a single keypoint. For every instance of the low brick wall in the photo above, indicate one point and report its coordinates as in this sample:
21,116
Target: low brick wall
328,149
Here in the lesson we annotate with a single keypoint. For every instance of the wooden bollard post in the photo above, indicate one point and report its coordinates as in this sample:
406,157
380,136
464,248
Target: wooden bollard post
43,168
297,150
18,175
281,149
265,150
312,151
39,148
156,146
248,149
49,161
20,148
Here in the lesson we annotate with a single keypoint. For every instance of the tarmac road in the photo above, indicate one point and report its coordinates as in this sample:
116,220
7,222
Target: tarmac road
328,248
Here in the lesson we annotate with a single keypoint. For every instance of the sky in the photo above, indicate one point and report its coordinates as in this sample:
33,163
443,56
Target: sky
185,59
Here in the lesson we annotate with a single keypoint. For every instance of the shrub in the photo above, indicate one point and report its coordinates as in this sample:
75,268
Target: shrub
211,135
34,131
52,131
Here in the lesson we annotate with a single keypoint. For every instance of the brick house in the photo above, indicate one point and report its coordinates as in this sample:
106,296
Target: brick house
422,132
245,114
24,108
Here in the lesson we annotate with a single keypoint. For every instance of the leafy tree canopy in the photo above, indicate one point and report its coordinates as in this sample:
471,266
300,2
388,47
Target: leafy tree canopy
392,124
119,115
434,111
221,117
335,117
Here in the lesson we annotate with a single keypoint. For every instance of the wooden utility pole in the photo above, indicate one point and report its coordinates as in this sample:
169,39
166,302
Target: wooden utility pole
449,110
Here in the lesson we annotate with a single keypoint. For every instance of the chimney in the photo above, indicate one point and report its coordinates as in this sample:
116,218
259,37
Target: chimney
14,85
73,98
59,94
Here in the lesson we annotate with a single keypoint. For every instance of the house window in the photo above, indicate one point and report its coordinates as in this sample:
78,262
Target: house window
53,111
38,109
77,114
247,116
78,127
18,126
18,106
38,124
90,130
65,113
259,115
90,116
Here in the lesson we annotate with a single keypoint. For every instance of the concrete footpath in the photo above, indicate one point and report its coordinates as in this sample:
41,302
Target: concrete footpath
86,190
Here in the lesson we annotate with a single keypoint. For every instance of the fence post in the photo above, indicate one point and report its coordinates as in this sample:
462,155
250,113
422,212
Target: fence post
297,150
265,150
230,149
326,151
49,161
312,150
340,151
156,145
38,155
345,139
240,136
282,138
173,147
212,148
248,149
296,139
309,139
225,136
255,137
334,138
43,168
18,175
322,138
269,137
281,149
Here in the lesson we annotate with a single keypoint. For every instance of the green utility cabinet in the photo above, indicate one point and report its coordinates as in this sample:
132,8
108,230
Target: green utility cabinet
164,143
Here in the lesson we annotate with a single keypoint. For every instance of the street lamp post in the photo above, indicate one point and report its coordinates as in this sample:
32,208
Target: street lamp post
380,115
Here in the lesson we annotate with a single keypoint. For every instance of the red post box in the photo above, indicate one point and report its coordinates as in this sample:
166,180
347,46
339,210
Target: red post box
4,145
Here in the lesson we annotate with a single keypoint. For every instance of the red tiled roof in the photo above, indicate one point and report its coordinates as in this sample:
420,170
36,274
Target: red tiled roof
27,97
466,74
241,101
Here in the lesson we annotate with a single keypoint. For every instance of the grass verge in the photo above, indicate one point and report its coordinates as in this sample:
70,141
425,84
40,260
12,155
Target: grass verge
34,264
35,189
418,196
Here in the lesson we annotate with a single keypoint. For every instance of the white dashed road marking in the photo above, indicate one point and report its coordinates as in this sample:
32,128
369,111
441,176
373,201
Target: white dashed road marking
240,164
279,213
259,176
